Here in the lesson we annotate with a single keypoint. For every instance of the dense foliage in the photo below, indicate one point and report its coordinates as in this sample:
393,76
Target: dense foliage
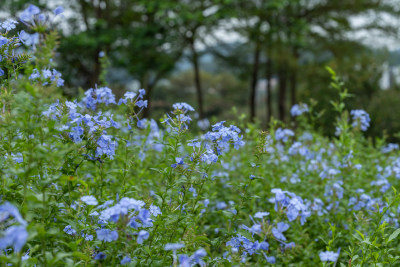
260,56
90,182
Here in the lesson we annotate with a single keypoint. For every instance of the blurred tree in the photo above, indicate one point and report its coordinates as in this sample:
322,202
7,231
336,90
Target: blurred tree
14,6
216,86
327,25
135,34
192,20
291,40
291,30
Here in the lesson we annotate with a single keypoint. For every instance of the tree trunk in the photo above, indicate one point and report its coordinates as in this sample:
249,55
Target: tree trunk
94,79
268,76
282,93
197,82
253,85
293,84
293,79
96,70
149,89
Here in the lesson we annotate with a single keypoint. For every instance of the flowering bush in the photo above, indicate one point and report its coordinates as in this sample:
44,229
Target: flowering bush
90,182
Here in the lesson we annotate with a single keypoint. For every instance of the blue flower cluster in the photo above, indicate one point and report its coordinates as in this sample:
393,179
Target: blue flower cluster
98,96
361,119
283,134
33,18
196,258
181,120
294,205
15,235
328,256
128,212
220,139
248,247
298,109
8,25
89,128
47,75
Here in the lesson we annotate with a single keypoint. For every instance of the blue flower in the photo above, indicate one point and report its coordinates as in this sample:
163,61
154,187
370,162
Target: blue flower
143,235
26,256
141,103
290,245
105,204
46,73
218,126
128,96
294,208
264,245
106,146
28,14
154,210
7,209
89,200
255,229
125,260
9,24
3,40
390,147
183,106
28,39
18,158
107,235
173,246
88,237
360,119
76,134
279,195
100,256
328,256
35,75
184,261
58,10
68,229
221,205
14,236
141,123
277,231
193,190
142,92
179,161
297,109
144,217
97,96
283,134
271,259
113,213
222,137
261,214
196,258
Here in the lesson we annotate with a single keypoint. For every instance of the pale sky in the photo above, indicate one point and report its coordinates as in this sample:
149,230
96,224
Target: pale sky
223,33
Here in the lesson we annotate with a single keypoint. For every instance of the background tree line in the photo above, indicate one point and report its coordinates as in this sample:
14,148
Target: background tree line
174,49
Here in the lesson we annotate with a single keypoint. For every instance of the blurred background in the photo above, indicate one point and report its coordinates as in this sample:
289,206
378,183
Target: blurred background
260,57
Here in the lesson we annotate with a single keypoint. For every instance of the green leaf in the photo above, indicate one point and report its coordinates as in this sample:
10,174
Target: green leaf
394,235
361,234
81,255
